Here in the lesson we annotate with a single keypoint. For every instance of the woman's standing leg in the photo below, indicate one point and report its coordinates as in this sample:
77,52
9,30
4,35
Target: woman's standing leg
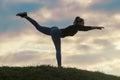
55,34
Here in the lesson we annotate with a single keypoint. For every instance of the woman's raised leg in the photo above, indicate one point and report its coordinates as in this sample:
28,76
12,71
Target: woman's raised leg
45,30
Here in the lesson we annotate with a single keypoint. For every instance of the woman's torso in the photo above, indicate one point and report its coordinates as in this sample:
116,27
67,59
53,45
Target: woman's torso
69,31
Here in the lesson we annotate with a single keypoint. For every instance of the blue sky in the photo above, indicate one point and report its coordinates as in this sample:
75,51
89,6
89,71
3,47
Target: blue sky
21,44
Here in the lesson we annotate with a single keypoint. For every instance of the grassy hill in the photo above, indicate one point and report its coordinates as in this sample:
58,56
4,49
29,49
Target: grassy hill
51,73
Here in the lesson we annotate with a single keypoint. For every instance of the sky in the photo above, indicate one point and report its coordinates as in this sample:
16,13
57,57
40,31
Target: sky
96,50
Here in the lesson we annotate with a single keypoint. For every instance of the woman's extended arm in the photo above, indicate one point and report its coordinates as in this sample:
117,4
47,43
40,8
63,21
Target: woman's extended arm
87,28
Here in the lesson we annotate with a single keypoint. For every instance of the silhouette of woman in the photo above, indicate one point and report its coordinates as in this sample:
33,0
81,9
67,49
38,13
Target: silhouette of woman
57,34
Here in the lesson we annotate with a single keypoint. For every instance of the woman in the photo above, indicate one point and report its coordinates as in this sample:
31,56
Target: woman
57,34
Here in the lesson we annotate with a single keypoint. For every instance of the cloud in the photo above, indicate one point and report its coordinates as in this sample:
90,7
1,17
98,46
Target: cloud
26,39
65,10
26,46
42,15
106,61
92,59
27,58
111,67
79,3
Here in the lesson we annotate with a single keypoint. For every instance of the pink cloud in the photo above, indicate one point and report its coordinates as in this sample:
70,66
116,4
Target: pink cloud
26,39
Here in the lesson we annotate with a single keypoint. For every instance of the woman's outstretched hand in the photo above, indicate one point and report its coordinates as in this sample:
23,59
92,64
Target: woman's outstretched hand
23,14
100,28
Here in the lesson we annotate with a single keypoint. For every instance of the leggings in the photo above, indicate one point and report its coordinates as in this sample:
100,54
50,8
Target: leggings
55,33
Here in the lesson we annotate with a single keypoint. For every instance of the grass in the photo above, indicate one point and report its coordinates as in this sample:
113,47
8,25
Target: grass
51,73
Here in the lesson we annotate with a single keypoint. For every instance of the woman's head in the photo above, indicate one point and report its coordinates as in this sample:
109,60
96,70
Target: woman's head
78,21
